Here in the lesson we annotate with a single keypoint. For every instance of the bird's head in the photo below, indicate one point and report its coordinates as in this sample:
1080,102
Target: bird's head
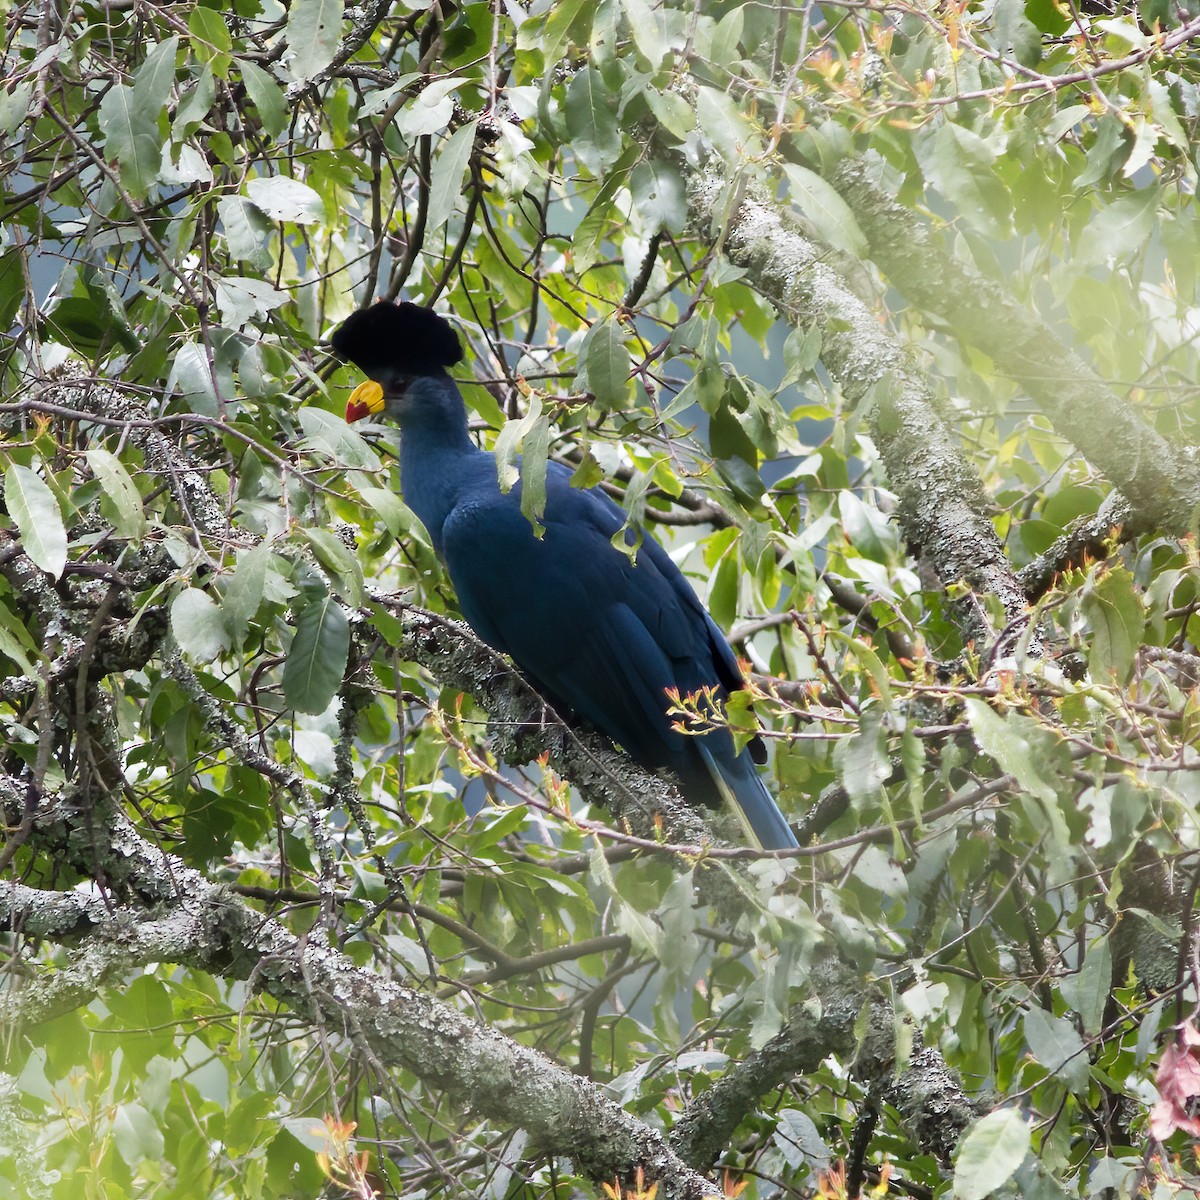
395,345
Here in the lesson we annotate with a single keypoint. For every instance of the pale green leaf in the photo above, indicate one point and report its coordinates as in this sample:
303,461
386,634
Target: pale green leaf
314,28
247,230
197,625
607,363
394,513
592,121
284,199
330,436
1009,739
828,213
658,195
1119,228
447,175
1114,609
244,591
1087,991
131,140
136,1134
316,659
33,508
340,561
128,518
266,95
1056,1044
990,1153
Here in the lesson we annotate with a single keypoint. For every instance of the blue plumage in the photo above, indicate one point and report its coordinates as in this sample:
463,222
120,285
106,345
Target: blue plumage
598,635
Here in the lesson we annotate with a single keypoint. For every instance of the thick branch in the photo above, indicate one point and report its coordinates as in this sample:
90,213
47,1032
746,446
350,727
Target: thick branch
942,502
204,927
1161,484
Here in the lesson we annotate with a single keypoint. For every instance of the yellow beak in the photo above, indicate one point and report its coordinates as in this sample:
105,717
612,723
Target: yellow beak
365,401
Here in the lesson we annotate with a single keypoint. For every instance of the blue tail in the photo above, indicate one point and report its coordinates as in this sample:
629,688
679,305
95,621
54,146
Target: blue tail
743,790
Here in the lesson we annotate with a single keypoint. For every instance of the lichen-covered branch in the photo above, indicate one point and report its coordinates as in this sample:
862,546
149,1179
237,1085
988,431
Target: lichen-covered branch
177,916
943,507
1161,484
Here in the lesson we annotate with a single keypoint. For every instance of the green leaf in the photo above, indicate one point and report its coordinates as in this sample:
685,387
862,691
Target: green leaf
591,112
12,287
589,234
340,561
128,518
14,106
210,40
394,513
430,111
1087,991
244,591
314,28
531,434
862,761
447,175
1014,742
35,511
960,164
825,209
673,113
648,28
316,660
190,374
131,140
197,625
535,451
1016,33
136,1134
990,1154
607,363
195,105
1113,608
247,230
550,31
241,300
266,96
726,37
284,199
154,78
1056,1044
1118,229
329,435
15,642
658,196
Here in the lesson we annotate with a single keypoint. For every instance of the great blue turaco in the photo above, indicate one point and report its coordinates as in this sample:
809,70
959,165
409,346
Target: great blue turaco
602,635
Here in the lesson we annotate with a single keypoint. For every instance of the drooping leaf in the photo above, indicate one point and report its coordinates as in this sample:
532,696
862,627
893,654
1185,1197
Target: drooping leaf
266,95
316,659
131,139
33,508
1118,619
128,517
448,168
608,365
313,30
244,591
591,120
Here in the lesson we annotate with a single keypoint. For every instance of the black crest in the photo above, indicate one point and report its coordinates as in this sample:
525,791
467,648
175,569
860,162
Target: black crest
409,339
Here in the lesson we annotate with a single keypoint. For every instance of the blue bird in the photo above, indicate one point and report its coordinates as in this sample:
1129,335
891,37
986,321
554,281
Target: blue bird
599,636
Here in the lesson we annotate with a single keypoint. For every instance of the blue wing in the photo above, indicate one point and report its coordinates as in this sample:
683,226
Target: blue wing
600,636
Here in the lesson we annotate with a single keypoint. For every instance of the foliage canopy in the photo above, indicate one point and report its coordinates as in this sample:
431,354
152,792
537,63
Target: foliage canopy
883,317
